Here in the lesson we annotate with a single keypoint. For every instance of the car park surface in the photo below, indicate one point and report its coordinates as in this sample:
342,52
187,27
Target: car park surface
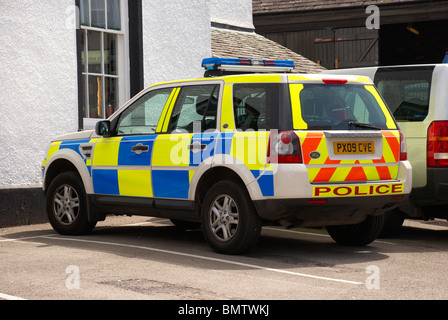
140,258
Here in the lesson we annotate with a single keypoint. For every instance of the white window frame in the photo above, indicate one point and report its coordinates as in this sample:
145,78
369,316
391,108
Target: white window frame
122,63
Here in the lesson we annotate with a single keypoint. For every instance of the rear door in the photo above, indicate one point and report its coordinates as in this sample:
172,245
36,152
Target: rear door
346,132
188,138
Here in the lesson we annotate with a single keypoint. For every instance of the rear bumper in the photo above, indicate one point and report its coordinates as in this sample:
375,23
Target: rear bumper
321,212
291,181
299,202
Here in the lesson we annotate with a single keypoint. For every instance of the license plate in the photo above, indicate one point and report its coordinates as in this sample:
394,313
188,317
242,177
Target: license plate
360,147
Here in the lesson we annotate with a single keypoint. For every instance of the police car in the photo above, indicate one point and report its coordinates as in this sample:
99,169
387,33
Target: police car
231,153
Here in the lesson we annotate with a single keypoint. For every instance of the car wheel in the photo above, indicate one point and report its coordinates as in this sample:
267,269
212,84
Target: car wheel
230,223
358,234
67,205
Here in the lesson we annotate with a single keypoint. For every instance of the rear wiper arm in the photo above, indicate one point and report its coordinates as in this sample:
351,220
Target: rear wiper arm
363,125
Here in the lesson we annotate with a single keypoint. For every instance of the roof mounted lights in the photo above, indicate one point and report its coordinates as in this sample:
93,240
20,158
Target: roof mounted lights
227,66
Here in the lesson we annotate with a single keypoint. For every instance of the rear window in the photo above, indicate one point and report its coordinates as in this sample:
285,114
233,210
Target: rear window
338,107
406,91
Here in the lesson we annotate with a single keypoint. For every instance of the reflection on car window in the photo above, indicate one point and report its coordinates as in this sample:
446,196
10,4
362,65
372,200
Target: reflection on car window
406,91
253,105
143,115
195,109
333,106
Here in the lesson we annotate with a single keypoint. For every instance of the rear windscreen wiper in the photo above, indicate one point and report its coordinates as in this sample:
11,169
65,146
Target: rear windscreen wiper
363,125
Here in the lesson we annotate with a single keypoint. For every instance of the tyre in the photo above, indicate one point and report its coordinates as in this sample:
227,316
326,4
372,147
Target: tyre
358,234
230,223
67,205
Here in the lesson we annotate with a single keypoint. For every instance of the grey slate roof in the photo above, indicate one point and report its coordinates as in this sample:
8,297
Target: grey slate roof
238,44
271,6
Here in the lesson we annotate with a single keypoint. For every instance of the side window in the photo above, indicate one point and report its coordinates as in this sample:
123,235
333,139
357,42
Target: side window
406,91
143,115
195,109
253,105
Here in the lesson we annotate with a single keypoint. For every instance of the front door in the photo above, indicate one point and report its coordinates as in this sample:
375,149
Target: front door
121,164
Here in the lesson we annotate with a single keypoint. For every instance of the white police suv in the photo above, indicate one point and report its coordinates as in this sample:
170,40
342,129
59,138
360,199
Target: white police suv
232,153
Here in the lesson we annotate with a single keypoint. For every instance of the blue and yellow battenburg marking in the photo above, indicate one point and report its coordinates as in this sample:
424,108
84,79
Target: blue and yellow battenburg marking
251,149
166,167
74,145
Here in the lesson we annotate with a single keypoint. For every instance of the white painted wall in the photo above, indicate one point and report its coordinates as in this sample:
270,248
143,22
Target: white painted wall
176,37
38,68
38,85
232,12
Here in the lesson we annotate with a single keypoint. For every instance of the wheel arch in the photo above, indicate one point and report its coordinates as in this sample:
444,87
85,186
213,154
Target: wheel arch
219,173
63,161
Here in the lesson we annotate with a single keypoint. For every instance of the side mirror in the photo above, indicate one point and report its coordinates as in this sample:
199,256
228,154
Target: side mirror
102,128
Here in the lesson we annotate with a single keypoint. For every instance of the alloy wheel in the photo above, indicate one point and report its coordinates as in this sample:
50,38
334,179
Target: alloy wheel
66,204
224,217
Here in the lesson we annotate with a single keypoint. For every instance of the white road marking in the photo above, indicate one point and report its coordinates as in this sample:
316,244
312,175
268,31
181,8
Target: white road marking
253,266
298,232
106,227
162,221
317,234
8,297
26,238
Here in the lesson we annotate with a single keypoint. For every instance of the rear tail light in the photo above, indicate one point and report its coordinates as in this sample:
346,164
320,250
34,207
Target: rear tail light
437,144
284,147
403,147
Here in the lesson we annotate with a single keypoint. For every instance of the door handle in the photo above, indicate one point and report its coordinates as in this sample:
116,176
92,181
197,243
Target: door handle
140,148
196,147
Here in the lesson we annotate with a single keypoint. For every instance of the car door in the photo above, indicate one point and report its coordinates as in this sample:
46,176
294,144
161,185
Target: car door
188,138
121,164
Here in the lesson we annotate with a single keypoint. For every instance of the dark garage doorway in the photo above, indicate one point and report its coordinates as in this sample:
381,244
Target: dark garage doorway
413,43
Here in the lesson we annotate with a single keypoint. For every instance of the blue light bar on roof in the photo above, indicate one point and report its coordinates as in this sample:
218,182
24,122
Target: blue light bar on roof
248,65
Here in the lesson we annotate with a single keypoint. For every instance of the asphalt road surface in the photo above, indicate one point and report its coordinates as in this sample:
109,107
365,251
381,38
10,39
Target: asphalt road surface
140,258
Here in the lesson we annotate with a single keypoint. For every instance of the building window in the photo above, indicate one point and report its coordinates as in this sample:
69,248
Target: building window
103,55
